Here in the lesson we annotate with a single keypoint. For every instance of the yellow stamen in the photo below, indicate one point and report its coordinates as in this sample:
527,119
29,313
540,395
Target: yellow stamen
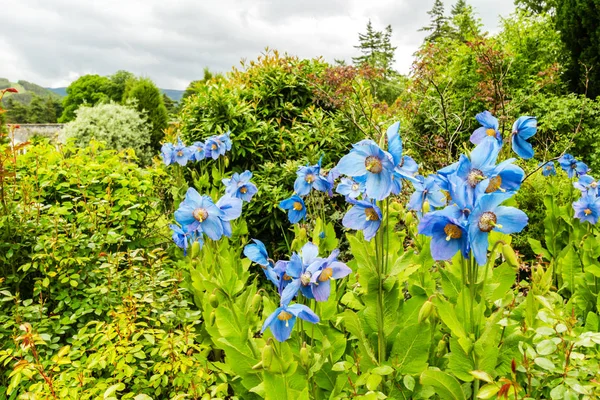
325,274
371,214
373,165
180,153
495,184
285,316
243,189
297,206
452,231
490,132
310,178
213,147
200,214
587,211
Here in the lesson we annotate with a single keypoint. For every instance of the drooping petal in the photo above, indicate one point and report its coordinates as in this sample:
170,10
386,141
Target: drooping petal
522,147
290,292
257,252
511,219
282,330
353,164
478,135
270,318
322,290
443,249
303,312
487,120
339,270
212,227
479,244
379,185
301,187
394,142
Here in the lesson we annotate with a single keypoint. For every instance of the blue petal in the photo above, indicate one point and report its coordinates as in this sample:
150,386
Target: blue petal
270,318
487,120
303,312
302,187
442,249
522,147
309,253
257,252
511,219
290,292
394,142
479,244
353,164
212,227
478,135
485,154
379,185
371,229
282,330
231,207
321,290
355,218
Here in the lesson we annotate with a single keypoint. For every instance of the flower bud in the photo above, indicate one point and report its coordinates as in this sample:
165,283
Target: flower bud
441,348
304,355
213,300
426,207
267,356
195,249
426,311
510,256
212,318
255,304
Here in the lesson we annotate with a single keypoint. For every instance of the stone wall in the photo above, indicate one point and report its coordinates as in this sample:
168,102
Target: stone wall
26,131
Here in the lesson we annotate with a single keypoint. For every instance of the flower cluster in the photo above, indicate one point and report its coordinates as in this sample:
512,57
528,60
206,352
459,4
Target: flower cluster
475,188
306,274
213,147
587,208
309,177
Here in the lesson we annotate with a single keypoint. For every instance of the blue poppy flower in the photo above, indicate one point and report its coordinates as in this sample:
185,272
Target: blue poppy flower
587,208
232,209
282,320
296,208
182,239
309,177
505,177
489,128
332,175
322,272
523,129
297,270
481,162
489,215
351,188
199,213
587,184
197,149
239,186
571,166
167,152
363,216
426,189
214,147
257,252
225,138
181,153
367,159
394,142
448,234
548,168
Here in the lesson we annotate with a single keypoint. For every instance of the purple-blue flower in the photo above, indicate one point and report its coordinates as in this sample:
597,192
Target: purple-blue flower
216,146
239,186
523,129
587,208
197,150
297,270
351,188
448,235
181,153
489,215
199,213
366,159
309,177
426,189
182,239
489,128
481,162
587,184
257,252
231,207
323,271
363,216
296,208
571,166
167,153
282,320
505,177
548,168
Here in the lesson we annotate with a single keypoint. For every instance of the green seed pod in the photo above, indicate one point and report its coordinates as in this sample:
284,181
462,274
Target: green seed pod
426,311
510,256
304,355
267,356
212,318
256,302
213,300
195,249
258,366
441,348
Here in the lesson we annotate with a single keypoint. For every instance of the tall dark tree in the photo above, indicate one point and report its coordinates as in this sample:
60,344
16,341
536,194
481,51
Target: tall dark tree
170,105
579,24
538,6
121,79
376,48
463,22
438,25
149,101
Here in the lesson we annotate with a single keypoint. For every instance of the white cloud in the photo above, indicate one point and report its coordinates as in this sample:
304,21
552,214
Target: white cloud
51,42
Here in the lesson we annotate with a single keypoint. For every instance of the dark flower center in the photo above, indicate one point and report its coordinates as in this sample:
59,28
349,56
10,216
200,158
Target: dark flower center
371,214
243,189
487,221
297,206
494,185
305,278
452,232
373,164
490,132
325,274
474,177
200,214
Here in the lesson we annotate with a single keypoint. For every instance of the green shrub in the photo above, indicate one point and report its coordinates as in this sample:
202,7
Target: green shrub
120,127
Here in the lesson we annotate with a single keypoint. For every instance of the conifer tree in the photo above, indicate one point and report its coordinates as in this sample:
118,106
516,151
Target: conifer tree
438,26
463,22
376,48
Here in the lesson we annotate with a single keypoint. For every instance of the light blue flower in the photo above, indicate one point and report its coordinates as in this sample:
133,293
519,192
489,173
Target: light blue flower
367,159
505,177
182,239
239,186
548,168
257,252
480,164
587,208
214,147
587,184
297,270
523,129
448,234
181,153
232,209
572,166
197,149
426,189
167,152
309,177
489,215
351,188
296,208
489,128
363,216
322,272
199,213
282,320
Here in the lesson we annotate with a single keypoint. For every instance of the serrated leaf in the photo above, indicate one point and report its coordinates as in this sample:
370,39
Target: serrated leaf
445,385
411,349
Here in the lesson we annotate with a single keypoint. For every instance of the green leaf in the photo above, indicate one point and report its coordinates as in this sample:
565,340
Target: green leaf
482,376
445,385
383,370
411,349
545,347
113,389
448,315
373,381
544,363
409,382
354,326
537,248
487,391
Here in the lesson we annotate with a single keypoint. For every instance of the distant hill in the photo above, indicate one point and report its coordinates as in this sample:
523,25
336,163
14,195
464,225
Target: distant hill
26,90
175,95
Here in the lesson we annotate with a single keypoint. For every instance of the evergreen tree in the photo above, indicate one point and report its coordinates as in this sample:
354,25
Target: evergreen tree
579,24
376,48
170,105
121,79
149,102
438,26
88,90
463,22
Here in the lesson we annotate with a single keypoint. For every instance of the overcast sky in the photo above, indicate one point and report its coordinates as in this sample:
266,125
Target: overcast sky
52,42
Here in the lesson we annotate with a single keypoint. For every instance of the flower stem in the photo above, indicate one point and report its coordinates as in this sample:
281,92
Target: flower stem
379,241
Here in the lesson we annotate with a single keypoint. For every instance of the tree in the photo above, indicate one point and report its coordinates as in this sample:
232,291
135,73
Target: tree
463,22
120,127
89,90
170,105
149,102
579,24
193,86
16,112
121,79
376,48
538,6
438,26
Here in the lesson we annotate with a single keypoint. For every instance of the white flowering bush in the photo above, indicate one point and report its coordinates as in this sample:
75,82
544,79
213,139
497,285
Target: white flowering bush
120,127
